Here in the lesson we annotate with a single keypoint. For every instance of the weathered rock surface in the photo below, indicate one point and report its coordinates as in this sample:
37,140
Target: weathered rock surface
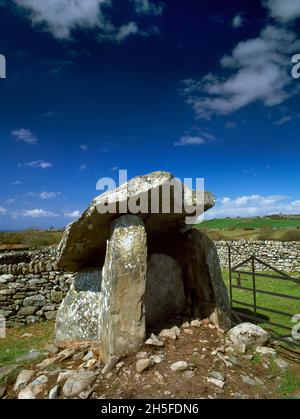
142,365
78,315
121,326
78,382
179,366
248,334
23,379
84,241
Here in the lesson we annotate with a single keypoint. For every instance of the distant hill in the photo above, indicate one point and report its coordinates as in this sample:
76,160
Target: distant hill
274,221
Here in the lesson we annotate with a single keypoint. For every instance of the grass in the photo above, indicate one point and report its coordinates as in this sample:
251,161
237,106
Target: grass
278,303
31,238
290,385
257,228
15,346
251,223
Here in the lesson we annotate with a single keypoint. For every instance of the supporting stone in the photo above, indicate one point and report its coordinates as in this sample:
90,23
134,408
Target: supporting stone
203,278
77,317
122,313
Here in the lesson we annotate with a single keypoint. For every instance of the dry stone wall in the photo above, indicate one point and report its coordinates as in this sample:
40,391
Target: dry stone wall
31,286
284,256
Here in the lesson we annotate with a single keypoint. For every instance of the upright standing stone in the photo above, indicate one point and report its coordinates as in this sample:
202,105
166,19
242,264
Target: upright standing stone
122,316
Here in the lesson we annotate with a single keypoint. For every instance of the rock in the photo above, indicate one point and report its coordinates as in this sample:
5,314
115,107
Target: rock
83,297
27,311
56,296
112,362
66,353
120,365
34,389
141,355
154,341
196,323
6,278
188,331
217,375
63,376
35,300
88,356
281,364
168,334
122,331
264,351
248,334
79,356
23,379
142,365
78,382
82,239
51,348
51,315
250,381
42,379
156,359
47,362
186,325
26,394
53,393
215,382
179,366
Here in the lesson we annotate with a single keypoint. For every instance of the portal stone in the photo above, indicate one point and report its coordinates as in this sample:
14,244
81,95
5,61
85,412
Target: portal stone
121,317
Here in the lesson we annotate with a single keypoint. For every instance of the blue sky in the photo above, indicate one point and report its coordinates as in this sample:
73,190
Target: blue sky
201,89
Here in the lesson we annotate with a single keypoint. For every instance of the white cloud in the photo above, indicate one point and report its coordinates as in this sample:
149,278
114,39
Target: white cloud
34,213
283,120
190,140
62,17
39,164
49,195
17,182
24,135
84,147
237,21
2,211
260,72
284,10
73,214
147,7
83,167
254,205
124,31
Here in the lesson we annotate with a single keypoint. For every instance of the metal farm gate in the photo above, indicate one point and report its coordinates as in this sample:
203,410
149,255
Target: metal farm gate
254,292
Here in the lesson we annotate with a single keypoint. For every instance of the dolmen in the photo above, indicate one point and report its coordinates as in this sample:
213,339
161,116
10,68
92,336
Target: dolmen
139,265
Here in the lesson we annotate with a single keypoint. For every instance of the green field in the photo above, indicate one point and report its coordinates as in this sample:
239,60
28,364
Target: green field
267,301
251,223
257,228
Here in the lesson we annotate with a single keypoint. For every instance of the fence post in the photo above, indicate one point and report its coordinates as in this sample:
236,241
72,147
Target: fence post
230,275
254,290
